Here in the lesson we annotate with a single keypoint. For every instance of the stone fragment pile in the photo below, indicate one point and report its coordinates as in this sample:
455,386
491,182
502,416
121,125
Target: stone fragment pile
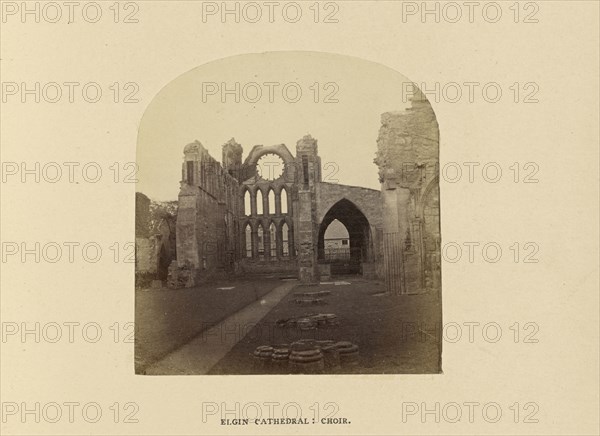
311,298
310,321
312,294
306,356
310,301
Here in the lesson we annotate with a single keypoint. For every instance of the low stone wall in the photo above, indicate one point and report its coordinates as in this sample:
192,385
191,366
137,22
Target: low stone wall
145,257
369,270
325,271
256,266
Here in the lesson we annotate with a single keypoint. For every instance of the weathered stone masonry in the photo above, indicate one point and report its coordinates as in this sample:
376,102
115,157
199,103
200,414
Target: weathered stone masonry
408,156
232,219
154,236
207,219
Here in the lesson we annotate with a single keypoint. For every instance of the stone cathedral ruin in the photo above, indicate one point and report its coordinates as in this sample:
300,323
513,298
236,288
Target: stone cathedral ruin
243,217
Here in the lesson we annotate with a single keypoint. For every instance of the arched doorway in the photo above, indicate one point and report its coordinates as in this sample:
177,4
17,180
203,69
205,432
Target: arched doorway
344,258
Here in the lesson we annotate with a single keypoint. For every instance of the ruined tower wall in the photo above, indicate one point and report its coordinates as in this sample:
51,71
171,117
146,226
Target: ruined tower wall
206,219
309,164
408,156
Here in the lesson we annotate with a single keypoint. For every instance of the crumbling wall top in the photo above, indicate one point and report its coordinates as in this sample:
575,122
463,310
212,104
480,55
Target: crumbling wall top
193,147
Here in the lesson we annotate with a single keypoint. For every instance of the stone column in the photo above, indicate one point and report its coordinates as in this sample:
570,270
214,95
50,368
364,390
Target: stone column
279,240
255,243
265,199
307,251
395,225
277,204
307,229
253,208
267,241
291,242
243,241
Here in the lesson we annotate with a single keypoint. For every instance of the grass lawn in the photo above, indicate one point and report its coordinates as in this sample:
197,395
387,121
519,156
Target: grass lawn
168,318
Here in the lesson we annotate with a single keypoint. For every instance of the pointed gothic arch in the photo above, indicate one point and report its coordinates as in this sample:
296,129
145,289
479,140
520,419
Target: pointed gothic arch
260,241
248,243
259,202
283,200
271,202
359,233
272,240
285,240
247,196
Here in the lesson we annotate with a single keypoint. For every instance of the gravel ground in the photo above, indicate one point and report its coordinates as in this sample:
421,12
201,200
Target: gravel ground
395,334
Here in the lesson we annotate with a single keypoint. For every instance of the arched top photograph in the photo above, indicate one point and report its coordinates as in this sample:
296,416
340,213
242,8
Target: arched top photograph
304,177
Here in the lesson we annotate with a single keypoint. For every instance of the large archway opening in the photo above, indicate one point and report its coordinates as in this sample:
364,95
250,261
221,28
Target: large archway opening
344,239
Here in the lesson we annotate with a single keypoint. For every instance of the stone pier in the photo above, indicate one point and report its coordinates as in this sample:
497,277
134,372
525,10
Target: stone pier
408,156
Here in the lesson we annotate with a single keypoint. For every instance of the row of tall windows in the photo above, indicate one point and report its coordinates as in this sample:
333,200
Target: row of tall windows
250,199
264,245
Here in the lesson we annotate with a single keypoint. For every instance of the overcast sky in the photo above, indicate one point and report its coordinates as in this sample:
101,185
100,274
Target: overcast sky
191,107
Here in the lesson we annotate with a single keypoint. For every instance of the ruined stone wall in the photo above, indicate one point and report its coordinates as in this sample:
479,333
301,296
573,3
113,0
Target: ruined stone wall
144,245
155,237
144,256
408,157
142,215
396,229
280,267
309,164
207,219
367,200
